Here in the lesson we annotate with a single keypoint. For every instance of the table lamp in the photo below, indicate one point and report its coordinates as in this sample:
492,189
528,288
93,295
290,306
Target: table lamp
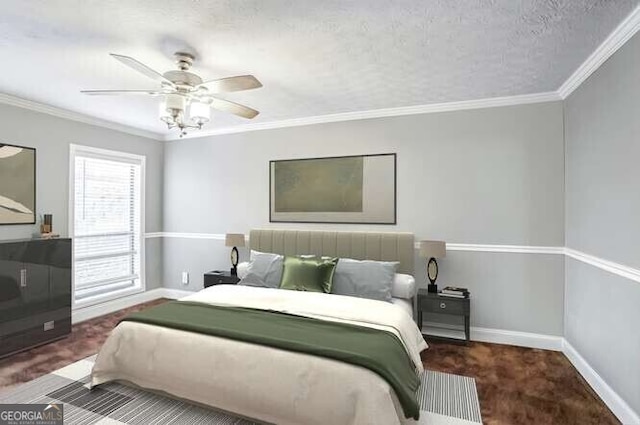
235,240
432,250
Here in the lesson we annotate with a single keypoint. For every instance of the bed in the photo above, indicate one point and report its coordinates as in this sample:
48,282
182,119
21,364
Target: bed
267,383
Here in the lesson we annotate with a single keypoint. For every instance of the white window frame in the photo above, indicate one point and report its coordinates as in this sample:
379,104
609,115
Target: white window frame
108,155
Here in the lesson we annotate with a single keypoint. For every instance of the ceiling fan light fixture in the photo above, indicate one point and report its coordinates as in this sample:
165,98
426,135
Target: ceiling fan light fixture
172,108
163,112
175,101
200,112
181,88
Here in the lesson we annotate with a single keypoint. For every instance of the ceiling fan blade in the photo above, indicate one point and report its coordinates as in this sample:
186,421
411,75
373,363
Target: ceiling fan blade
119,92
231,107
240,82
141,68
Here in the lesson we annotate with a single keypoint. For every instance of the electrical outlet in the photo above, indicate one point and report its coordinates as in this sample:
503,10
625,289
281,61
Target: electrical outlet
185,278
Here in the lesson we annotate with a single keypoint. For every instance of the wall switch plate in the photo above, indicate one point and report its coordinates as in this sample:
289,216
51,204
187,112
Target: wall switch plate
49,325
185,278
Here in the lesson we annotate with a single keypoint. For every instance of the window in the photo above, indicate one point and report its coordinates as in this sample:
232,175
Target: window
107,198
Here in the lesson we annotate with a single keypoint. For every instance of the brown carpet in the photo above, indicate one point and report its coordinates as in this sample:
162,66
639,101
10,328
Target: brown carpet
515,385
519,385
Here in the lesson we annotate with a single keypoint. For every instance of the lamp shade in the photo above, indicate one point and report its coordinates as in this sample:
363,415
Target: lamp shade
164,113
234,239
433,249
171,107
175,101
199,112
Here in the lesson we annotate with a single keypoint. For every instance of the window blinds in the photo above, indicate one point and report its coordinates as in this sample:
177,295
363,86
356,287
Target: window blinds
107,225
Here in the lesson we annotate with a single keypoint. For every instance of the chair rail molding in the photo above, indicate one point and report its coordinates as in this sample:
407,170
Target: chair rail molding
183,235
609,266
518,249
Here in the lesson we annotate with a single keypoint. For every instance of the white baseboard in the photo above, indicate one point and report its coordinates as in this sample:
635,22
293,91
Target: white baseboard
521,339
86,313
618,406
495,336
175,294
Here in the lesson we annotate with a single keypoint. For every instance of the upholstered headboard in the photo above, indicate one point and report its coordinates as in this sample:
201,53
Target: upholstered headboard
357,245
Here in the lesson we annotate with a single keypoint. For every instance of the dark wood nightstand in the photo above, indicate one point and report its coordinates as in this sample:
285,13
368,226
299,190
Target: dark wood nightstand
436,303
217,277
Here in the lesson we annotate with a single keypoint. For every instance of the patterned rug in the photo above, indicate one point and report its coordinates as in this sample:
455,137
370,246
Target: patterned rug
444,399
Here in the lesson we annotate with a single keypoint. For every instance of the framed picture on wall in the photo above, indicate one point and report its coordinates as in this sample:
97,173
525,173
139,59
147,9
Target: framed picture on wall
17,184
346,189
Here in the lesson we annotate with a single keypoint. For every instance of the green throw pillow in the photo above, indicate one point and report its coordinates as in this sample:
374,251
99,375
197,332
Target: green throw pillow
308,274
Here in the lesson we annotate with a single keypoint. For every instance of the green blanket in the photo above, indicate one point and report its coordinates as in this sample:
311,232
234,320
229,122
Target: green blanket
379,351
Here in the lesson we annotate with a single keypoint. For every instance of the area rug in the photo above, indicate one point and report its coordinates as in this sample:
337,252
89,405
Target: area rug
445,399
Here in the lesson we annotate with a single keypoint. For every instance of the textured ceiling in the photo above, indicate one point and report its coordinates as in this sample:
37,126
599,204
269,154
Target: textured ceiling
313,57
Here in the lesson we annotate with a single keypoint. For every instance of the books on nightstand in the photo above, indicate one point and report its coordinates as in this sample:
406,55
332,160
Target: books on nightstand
455,292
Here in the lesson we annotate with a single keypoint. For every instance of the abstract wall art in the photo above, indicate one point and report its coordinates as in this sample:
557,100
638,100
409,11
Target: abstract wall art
17,184
347,189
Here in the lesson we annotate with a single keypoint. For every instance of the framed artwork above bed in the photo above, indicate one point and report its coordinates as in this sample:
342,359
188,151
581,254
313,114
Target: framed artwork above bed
17,184
346,189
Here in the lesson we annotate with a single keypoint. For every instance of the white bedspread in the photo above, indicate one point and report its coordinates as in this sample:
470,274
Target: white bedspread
261,382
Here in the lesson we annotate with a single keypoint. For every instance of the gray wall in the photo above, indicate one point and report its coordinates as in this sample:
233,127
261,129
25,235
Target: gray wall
51,137
602,218
492,176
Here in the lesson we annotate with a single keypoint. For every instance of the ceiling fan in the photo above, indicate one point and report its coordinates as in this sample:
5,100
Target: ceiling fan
181,88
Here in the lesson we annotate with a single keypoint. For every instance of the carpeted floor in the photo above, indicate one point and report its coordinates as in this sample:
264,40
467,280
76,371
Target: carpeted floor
516,385
519,385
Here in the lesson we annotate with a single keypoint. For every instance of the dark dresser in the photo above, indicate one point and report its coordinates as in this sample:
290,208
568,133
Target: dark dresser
35,292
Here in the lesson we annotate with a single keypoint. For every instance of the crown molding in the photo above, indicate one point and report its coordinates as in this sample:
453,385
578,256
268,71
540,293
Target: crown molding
618,37
8,99
377,113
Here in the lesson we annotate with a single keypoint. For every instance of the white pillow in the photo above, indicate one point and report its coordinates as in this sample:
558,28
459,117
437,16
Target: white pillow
404,286
267,267
243,269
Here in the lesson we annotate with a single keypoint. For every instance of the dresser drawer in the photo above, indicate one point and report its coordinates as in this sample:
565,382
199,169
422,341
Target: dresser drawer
444,305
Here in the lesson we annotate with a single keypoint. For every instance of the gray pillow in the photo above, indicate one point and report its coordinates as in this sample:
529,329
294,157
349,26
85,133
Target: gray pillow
364,279
251,279
266,267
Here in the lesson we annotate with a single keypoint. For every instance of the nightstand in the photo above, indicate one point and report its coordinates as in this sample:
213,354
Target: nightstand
217,277
436,303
